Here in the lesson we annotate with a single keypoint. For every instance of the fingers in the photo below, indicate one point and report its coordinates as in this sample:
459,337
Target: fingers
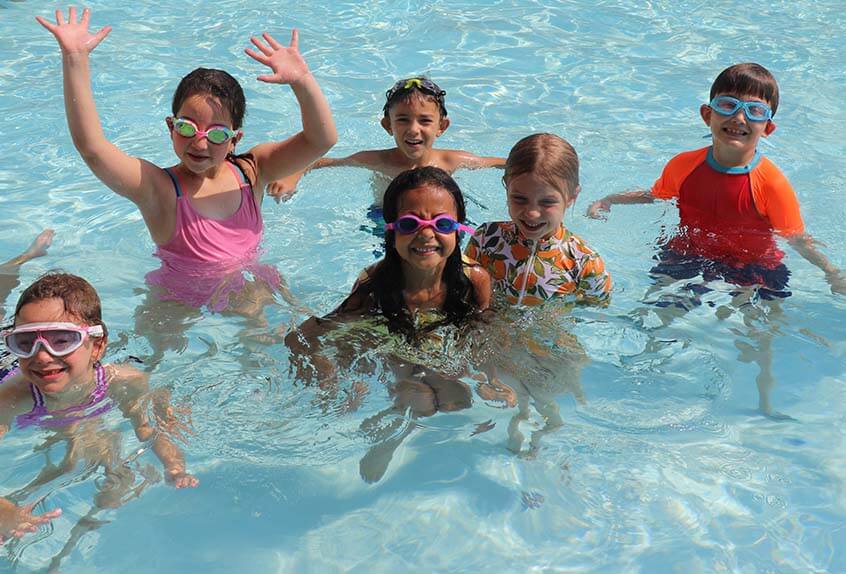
46,23
295,39
72,15
256,56
99,36
266,50
86,15
271,41
60,18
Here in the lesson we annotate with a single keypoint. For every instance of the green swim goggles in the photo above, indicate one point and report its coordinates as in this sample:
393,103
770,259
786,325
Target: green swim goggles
754,111
425,85
188,129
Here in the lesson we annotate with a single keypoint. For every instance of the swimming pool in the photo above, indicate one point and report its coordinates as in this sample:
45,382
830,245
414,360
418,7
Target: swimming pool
666,466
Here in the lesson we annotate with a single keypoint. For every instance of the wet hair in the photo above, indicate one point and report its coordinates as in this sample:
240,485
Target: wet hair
215,83
547,156
416,87
78,296
747,79
386,284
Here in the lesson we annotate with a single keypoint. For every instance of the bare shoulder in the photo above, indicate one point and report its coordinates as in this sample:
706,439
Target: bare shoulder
481,280
13,390
123,377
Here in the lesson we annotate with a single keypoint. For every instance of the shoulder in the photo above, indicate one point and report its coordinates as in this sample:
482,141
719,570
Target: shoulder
122,377
676,171
481,281
770,173
14,386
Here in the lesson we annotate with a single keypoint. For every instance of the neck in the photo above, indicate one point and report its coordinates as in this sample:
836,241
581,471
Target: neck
732,158
423,288
75,394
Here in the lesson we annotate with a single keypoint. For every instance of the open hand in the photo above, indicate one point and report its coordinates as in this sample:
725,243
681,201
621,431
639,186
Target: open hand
16,521
286,62
73,36
281,190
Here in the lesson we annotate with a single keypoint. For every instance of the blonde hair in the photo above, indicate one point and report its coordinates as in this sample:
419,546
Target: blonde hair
547,156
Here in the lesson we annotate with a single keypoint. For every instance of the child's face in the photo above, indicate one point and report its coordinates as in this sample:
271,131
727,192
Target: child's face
736,133
49,373
426,249
415,124
535,206
197,153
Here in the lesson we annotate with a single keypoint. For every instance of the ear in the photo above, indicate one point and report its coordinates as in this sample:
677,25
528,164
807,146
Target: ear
169,122
99,348
573,195
771,127
443,126
705,111
237,138
386,124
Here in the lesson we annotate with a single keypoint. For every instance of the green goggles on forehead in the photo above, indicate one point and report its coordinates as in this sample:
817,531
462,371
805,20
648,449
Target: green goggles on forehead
425,85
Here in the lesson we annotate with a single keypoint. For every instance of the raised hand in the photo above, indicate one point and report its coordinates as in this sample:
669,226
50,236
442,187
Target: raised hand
286,62
73,36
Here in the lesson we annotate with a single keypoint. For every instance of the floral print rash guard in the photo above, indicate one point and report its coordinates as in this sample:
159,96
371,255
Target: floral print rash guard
531,272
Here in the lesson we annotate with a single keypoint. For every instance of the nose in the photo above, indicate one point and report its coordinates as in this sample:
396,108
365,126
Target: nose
41,352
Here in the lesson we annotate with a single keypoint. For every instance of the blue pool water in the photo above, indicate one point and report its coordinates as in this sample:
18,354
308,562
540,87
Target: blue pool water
664,465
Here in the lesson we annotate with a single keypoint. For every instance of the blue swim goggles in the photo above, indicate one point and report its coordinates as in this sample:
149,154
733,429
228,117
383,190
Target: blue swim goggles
754,111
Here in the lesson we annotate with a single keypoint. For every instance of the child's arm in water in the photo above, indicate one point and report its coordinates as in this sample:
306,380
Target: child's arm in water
458,159
283,189
130,177
280,159
132,393
596,209
806,246
16,521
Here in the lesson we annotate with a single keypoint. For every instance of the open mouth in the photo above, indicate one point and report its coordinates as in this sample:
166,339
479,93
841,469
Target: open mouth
533,226
48,374
425,251
735,132
414,142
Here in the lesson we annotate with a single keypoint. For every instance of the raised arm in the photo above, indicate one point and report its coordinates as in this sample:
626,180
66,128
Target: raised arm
131,177
280,159
596,209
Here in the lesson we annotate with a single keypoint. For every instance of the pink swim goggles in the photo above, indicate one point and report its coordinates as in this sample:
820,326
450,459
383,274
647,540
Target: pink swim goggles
408,224
59,339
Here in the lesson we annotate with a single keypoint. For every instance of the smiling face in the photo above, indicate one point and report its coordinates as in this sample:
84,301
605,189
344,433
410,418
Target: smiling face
426,249
735,138
197,153
536,206
53,374
415,123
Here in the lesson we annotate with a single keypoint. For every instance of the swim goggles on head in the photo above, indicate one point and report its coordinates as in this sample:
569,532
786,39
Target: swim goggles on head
59,339
425,85
408,224
754,111
215,134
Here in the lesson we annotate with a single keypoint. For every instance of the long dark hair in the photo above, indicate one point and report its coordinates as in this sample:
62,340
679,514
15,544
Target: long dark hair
387,281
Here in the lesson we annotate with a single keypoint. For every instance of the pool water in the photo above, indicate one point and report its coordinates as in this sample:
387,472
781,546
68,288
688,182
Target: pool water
647,452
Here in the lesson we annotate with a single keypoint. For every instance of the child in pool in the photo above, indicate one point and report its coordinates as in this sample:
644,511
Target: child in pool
59,338
732,199
415,115
534,257
732,202
422,283
203,214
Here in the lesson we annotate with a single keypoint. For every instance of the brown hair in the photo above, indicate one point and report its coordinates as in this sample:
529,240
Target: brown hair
549,157
78,296
747,79
217,83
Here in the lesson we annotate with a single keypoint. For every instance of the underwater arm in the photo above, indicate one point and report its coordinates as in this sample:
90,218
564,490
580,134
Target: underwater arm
283,189
806,246
467,160
16,521
280,159
132,393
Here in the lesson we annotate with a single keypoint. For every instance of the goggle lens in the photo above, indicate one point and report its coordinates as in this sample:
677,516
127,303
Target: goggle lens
216,135
754,111
58,342
408,224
